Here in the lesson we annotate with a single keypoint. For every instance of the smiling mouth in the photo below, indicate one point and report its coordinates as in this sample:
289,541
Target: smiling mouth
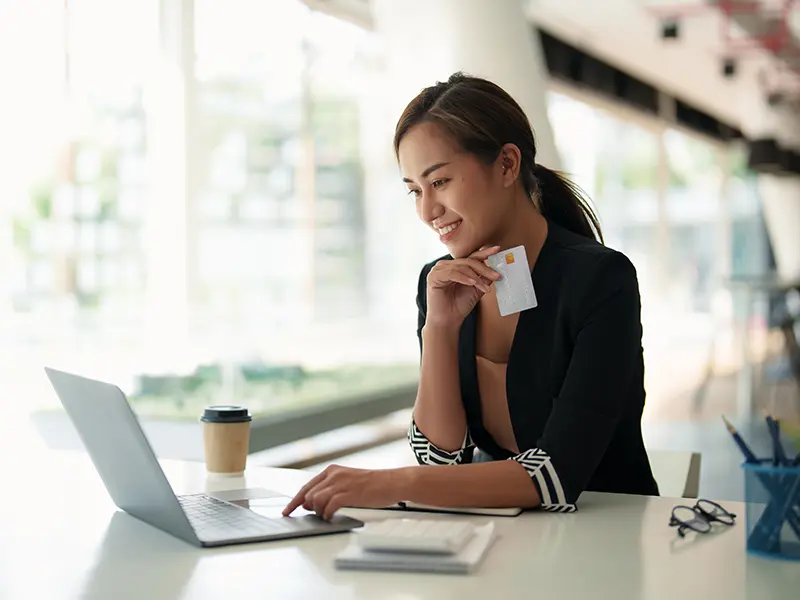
446,231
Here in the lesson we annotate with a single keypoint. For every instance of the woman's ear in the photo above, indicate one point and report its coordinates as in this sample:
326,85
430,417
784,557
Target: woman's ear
509,162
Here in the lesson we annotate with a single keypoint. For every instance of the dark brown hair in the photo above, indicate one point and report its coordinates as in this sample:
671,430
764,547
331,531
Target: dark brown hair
481,117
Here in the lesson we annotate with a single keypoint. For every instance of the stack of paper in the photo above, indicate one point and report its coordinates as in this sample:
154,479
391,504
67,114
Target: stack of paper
466,561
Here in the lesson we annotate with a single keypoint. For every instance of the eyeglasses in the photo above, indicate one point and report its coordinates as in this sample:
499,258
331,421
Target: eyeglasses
700,517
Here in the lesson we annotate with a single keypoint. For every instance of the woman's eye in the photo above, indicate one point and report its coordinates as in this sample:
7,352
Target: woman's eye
439,183
414,193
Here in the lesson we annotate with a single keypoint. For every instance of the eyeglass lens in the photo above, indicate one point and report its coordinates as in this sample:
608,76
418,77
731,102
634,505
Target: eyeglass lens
715,511
690,518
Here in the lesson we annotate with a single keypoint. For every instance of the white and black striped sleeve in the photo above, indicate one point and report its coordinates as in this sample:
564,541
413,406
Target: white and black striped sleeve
427,453
540,468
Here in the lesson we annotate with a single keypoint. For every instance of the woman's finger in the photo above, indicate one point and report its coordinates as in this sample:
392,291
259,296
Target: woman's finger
463,274
294,503
482,269
318,499
300,497
469,272
442,269
485,252
334,503
453,273
482,282
462,277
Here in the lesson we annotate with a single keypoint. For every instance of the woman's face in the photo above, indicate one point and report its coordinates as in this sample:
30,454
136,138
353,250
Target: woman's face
456,194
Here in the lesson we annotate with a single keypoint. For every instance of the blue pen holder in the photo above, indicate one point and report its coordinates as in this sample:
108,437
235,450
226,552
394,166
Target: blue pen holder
772,494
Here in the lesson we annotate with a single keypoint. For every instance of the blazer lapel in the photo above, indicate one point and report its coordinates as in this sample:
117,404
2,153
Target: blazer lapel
528,385
468,372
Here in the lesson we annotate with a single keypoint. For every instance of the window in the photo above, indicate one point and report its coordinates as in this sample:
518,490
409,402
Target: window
71,246
280,305
210,224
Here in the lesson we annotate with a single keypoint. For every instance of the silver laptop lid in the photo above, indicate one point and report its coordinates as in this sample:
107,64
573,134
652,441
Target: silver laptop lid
120,451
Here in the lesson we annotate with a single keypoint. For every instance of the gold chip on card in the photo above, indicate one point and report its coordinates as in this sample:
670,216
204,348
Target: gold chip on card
510,258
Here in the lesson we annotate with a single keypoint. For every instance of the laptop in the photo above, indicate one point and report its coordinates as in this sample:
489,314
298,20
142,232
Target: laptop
136,483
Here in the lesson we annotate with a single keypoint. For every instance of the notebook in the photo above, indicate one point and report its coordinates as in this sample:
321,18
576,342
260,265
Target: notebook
354,557
495,512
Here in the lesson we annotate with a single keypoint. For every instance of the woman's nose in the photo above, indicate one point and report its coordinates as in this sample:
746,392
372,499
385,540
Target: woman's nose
430,210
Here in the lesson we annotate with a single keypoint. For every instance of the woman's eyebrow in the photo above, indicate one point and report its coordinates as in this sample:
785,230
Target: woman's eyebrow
428,171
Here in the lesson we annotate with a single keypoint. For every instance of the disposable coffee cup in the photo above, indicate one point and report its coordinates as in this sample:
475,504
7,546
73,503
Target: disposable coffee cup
226,438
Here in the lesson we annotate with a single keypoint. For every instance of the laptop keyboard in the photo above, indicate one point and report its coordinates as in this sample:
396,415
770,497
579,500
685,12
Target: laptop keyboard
214,519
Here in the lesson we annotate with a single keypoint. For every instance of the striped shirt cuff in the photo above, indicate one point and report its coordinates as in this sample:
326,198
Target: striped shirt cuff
428,454
540,468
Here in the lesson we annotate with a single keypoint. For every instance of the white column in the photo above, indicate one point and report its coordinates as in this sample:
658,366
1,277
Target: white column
427,41
724,229
662,229
169,223
780,194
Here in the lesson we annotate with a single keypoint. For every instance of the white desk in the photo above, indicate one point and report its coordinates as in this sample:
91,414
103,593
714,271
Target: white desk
62,538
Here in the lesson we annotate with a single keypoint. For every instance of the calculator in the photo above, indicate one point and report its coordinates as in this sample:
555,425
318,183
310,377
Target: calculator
416,536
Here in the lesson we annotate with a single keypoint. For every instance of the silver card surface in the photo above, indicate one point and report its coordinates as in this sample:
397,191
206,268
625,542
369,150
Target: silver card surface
515,287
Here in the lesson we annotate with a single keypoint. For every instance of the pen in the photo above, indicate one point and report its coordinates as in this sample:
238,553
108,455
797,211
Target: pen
770,521
748,454
774,428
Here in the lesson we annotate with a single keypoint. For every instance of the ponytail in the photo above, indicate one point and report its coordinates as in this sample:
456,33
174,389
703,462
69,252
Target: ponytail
563,202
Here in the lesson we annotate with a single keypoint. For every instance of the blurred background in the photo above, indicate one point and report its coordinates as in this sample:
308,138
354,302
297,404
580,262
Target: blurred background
199,202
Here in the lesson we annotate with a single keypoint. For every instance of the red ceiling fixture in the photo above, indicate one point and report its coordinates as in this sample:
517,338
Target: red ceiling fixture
767,29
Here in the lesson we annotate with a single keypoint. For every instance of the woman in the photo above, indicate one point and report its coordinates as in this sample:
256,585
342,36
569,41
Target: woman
529,409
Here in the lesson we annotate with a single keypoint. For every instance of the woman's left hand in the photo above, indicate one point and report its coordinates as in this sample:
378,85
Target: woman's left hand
337,487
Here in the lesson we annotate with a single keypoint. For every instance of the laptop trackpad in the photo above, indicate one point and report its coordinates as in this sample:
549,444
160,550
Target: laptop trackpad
267,503
270,504
246,494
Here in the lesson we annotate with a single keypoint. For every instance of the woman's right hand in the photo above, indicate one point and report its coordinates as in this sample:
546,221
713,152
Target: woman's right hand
455,287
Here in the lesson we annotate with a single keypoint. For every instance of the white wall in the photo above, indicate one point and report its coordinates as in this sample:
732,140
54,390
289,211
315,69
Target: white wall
427,41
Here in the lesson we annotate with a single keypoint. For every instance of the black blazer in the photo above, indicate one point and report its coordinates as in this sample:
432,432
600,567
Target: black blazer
575,374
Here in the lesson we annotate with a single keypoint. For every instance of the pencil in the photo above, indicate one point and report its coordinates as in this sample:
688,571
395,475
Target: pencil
748,454
780,458
771,520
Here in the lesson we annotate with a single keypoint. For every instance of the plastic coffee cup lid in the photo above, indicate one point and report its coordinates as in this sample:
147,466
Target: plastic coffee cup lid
224,413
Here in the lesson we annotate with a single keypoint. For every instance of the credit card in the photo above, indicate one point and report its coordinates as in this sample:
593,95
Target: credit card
514,289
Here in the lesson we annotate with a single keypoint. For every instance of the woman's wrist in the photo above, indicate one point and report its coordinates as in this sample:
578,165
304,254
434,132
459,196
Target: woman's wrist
441,330
403,481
